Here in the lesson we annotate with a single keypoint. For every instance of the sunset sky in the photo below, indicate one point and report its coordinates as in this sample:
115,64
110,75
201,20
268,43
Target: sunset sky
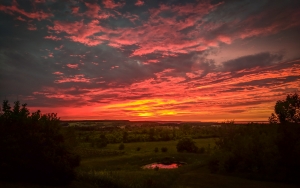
148,59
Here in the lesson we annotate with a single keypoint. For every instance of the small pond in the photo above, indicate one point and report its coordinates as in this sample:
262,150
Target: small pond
162,166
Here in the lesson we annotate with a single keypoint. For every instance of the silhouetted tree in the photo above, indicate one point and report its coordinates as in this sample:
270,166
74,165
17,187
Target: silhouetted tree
33,148
151,134
186,144
100,142
125,136
121,146
287,111
186,129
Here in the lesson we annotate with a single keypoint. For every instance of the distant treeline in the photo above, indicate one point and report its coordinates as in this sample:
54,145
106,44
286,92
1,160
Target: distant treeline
116,134
75,121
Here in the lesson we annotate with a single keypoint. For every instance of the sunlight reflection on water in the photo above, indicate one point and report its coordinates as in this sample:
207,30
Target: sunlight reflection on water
161,166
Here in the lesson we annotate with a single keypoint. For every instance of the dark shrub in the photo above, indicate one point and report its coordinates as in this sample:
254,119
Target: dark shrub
186,144
164,149
269,152
288,144
100,142
287,111
121,146
33,148
138,149
201,150
246,148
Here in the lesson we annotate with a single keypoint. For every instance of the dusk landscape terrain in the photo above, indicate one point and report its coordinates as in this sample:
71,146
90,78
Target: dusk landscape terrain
149,93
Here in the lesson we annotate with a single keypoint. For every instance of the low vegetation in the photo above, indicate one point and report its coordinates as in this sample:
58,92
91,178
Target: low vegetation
33,147
186,144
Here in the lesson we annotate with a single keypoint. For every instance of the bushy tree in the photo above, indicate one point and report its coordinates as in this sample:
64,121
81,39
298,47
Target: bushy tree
33,148
164,149
246,149
121,146
287,111
186,144
269,152
99,142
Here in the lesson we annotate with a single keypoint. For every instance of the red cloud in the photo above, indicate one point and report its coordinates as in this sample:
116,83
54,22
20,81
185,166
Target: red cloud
75,78
139,3
131,17
111,5
59,48
72,66
151,61
52,37
58,73
114,67
79,32
31,27
40,1
75,10
224,39
20,18
94,11
39,15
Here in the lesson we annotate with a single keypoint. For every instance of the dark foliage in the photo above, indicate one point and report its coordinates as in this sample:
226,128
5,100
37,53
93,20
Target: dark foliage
186,144
288,144
125,136
287,111
201,150
164,149
121,146
33,148
99,142
267,152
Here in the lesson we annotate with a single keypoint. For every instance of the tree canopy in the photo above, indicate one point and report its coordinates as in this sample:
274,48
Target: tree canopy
33,147
287,111
186,144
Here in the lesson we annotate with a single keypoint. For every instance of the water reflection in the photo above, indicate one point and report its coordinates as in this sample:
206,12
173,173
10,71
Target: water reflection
161,166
